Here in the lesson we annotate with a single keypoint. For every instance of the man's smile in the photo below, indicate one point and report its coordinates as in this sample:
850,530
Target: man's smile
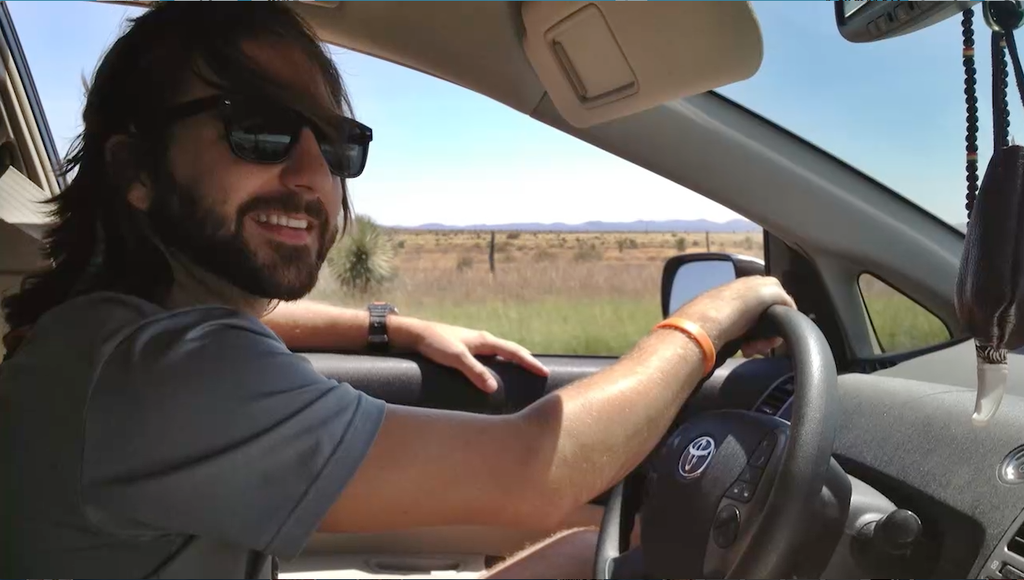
287,228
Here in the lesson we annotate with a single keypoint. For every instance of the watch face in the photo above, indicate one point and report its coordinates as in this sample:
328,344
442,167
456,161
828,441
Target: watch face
381,309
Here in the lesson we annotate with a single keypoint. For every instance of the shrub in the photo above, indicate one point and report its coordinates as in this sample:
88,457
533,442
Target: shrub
512,236
587,253
363,260
681,244
464,263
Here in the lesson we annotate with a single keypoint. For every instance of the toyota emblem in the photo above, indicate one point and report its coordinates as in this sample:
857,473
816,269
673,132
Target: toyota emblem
696,457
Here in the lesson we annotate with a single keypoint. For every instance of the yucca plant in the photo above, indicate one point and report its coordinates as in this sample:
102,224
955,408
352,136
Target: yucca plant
363,260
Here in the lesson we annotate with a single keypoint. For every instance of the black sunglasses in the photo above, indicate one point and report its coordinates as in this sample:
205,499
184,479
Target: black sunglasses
260,131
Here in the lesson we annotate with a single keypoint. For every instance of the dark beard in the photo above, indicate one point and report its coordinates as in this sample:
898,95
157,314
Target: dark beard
184,223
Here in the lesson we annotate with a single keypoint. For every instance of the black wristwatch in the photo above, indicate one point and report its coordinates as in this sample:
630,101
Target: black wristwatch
377,337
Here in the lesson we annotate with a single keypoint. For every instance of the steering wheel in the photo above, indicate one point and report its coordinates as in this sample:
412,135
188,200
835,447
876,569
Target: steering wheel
732,492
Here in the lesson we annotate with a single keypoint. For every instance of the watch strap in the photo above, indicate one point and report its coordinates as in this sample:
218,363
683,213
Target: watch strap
377,333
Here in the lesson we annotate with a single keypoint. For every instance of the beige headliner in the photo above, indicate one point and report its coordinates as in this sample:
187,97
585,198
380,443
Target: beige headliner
480,46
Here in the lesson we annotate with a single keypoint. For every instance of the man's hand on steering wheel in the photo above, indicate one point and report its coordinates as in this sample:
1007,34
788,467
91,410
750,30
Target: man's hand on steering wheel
732,492
730,311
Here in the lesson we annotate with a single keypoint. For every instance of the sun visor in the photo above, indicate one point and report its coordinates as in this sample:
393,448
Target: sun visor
605,60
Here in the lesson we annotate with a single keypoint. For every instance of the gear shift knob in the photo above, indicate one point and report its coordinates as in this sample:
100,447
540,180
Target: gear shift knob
897,532
892,536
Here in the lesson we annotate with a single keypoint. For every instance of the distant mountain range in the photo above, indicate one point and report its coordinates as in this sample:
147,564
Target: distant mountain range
736,225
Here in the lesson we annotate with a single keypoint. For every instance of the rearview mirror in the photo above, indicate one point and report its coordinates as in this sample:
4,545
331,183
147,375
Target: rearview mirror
862,21
687,276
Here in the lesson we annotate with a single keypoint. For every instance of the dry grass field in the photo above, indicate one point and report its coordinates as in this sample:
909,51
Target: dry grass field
554,292
593,293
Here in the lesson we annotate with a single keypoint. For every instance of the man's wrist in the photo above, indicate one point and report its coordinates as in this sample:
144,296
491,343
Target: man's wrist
711,318
403,332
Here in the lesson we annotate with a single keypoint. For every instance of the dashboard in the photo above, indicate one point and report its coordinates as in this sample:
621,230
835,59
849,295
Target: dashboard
906,433
905,439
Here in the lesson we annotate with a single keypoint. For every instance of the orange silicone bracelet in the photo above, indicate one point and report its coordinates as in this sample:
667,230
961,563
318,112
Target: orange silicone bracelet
698,335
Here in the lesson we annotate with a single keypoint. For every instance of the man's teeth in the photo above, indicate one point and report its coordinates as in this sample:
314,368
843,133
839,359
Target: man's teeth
282,220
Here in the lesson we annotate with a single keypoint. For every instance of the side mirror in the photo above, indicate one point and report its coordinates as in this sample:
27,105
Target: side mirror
687,276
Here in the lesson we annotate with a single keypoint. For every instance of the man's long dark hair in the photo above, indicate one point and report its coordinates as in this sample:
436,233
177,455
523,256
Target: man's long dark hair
98,241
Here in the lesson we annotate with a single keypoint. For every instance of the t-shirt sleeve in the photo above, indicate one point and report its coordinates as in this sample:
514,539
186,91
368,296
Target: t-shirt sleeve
202,422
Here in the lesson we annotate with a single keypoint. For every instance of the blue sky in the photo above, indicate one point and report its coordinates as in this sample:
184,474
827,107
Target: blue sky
442,154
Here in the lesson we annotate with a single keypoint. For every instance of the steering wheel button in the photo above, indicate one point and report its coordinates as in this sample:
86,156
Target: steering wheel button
763,452
726,526
741,491
761,456
750,474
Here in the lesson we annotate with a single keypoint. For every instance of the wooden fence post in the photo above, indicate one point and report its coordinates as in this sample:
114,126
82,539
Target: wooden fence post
707,240
490,253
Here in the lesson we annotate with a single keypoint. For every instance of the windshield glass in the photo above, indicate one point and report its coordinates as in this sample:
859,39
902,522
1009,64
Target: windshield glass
893,109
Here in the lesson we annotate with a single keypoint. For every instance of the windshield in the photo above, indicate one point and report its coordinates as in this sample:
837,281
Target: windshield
892,109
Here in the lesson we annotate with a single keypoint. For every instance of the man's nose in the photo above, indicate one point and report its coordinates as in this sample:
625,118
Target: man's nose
305,169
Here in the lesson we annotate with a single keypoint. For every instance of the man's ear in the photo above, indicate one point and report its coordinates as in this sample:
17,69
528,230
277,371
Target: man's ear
124,159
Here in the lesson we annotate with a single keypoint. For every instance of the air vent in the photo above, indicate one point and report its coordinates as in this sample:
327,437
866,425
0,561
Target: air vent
1016,543
777,396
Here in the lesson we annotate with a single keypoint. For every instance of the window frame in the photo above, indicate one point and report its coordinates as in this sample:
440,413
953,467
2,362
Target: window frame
38,113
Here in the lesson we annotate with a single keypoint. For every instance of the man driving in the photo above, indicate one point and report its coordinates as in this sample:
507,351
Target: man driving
155,421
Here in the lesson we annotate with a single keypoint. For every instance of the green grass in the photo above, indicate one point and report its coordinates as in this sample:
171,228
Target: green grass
610,327
584,308
603,327
902,325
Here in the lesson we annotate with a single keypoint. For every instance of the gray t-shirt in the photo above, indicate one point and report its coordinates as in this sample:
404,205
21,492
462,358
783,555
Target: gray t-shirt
141,442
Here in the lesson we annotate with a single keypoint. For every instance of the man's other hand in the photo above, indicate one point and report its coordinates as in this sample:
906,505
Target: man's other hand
457,347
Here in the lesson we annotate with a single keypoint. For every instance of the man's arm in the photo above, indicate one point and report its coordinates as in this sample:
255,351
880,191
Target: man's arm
307,325
429,467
